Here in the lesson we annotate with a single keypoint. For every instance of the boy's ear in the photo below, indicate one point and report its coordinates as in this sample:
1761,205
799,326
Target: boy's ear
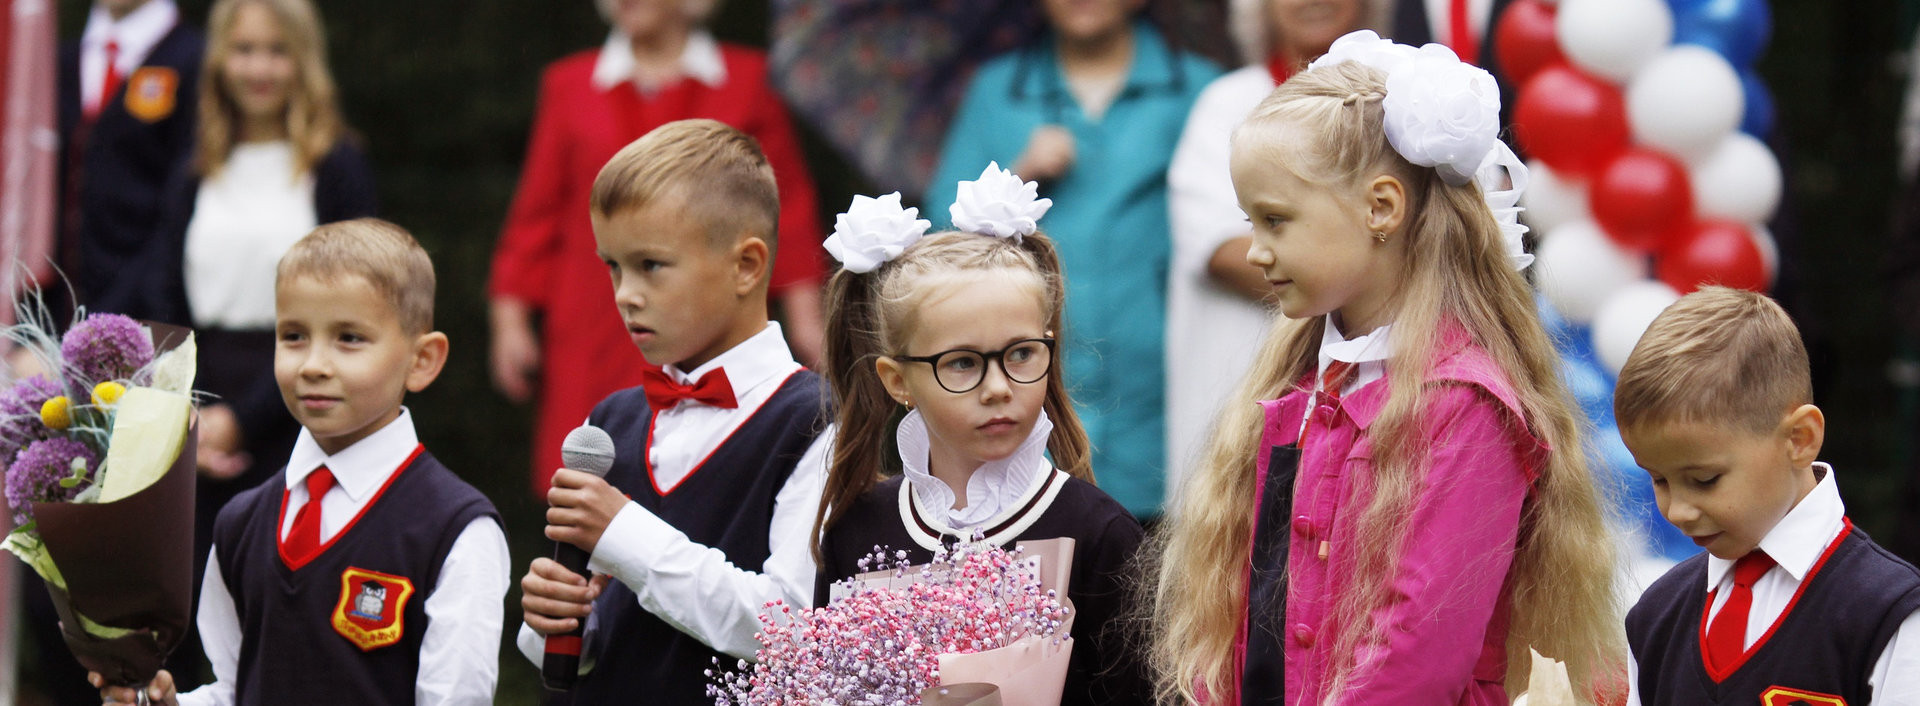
752,269
429,356
1806,428
1386,200
893,377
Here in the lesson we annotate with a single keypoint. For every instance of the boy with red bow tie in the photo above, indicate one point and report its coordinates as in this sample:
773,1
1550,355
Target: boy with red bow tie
1790,603
706,514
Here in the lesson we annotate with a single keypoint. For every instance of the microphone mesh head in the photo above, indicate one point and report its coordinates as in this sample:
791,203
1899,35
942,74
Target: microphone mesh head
588,449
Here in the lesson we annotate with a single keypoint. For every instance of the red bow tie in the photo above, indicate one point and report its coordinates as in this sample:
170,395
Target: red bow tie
663,392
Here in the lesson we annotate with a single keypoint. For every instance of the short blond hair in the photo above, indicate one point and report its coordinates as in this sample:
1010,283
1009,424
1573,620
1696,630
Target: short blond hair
1718,356
717,173
383,254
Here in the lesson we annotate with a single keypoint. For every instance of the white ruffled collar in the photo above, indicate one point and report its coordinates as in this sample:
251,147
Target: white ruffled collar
995,487
1367,352
700,60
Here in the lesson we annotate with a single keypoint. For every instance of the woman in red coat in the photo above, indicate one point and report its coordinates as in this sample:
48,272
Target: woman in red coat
658,65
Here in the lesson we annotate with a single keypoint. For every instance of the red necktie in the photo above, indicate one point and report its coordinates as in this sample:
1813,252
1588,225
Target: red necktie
1332,381
112,80
1460,32
663,392
304,539
1727,635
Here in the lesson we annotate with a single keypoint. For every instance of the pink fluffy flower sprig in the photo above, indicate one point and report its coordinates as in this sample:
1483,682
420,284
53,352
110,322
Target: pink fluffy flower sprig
881,644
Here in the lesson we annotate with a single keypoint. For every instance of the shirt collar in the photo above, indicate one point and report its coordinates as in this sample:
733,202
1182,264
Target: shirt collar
700,60
1798,540
756,360
137,33
996,487
362,468
1373,347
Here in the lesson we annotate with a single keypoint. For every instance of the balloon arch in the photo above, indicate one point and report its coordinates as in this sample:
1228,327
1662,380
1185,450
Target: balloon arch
1644,124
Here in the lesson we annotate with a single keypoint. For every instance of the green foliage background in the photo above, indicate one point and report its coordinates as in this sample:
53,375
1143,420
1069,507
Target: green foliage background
443,91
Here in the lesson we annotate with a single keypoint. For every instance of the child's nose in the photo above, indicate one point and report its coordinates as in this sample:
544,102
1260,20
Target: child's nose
1679,512
315,363
995,385
1259,255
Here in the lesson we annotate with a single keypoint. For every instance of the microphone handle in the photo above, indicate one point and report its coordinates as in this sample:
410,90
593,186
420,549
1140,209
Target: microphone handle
560,666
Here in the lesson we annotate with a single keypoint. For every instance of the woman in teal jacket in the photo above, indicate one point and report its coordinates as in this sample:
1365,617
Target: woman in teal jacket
1092,111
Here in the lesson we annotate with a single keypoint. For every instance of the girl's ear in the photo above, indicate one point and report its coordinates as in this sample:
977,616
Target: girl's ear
893,377
1386,199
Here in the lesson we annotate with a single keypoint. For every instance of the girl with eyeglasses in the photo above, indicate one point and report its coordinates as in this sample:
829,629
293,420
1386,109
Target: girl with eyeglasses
943,357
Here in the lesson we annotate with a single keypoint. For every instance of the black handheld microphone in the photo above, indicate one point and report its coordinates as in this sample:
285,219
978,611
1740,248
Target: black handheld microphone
587,449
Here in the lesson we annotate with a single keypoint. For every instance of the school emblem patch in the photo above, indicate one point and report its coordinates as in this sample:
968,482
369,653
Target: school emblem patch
1782,696
151,91
372,609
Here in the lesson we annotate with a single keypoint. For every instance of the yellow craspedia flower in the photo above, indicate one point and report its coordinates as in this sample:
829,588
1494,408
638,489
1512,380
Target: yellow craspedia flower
108,392
54,413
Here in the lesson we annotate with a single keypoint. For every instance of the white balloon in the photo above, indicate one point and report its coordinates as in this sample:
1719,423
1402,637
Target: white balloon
1612,38
1738,181
1769,251
1551,200
1579,268
1685,101
1626,315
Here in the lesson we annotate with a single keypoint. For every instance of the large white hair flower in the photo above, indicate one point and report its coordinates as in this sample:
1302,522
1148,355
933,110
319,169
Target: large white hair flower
1442,112
873,231
999,204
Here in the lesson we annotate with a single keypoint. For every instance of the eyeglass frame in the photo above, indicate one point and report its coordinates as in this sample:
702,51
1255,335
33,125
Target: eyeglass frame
987,357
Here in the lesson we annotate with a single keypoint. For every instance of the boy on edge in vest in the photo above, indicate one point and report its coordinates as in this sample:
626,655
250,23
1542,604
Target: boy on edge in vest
1790,604
721,449
387,590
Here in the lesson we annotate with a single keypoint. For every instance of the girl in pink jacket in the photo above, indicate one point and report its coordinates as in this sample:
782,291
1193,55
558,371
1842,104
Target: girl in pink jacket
1398,505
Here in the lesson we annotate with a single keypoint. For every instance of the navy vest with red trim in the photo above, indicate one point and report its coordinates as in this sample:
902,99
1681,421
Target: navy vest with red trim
345,626
1822,648
726,503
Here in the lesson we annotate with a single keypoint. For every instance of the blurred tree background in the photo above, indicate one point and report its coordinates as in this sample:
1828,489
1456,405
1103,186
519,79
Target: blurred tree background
443,92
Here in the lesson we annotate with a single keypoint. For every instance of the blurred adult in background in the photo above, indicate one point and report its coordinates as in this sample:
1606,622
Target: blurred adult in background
658,65
126,117
272,158
1091,110
1465,26
1215,313
1903,269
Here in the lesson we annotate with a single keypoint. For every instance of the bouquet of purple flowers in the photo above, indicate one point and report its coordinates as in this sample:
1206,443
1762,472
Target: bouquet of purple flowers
97,450
976,614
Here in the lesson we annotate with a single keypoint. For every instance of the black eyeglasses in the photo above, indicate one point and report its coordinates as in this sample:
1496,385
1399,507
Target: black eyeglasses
961,369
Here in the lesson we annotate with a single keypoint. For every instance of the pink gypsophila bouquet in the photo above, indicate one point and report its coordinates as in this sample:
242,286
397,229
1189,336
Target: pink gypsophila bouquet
890,635
95,447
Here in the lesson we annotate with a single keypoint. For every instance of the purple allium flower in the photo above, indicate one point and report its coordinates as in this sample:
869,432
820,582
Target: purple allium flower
36,473
106,347
20,414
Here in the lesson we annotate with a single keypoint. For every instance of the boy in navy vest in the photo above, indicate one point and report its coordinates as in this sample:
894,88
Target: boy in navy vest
1790,604
722,449
366,572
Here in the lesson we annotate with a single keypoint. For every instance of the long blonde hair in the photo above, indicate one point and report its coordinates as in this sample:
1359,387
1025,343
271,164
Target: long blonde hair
869,315
312,117
1457,275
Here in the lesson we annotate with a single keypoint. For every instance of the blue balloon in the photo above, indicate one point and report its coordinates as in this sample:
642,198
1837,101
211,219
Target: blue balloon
1614,467
1759,118
1737,29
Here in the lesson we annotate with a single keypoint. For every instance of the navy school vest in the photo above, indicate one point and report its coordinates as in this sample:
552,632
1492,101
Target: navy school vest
726,503
1822,648
346,627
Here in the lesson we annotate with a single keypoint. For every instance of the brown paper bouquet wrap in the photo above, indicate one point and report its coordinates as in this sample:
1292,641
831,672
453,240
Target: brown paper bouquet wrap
128,566
97,444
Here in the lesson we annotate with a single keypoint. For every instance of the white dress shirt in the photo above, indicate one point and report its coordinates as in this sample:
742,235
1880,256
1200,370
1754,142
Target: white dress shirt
1796,543
1212,332
1440,21
995,488
244,219
700,60
691,586
459,654
136,35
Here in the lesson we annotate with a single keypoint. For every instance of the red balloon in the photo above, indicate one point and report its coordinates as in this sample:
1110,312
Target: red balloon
1641,197
1524,43
1574,122
1712,252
